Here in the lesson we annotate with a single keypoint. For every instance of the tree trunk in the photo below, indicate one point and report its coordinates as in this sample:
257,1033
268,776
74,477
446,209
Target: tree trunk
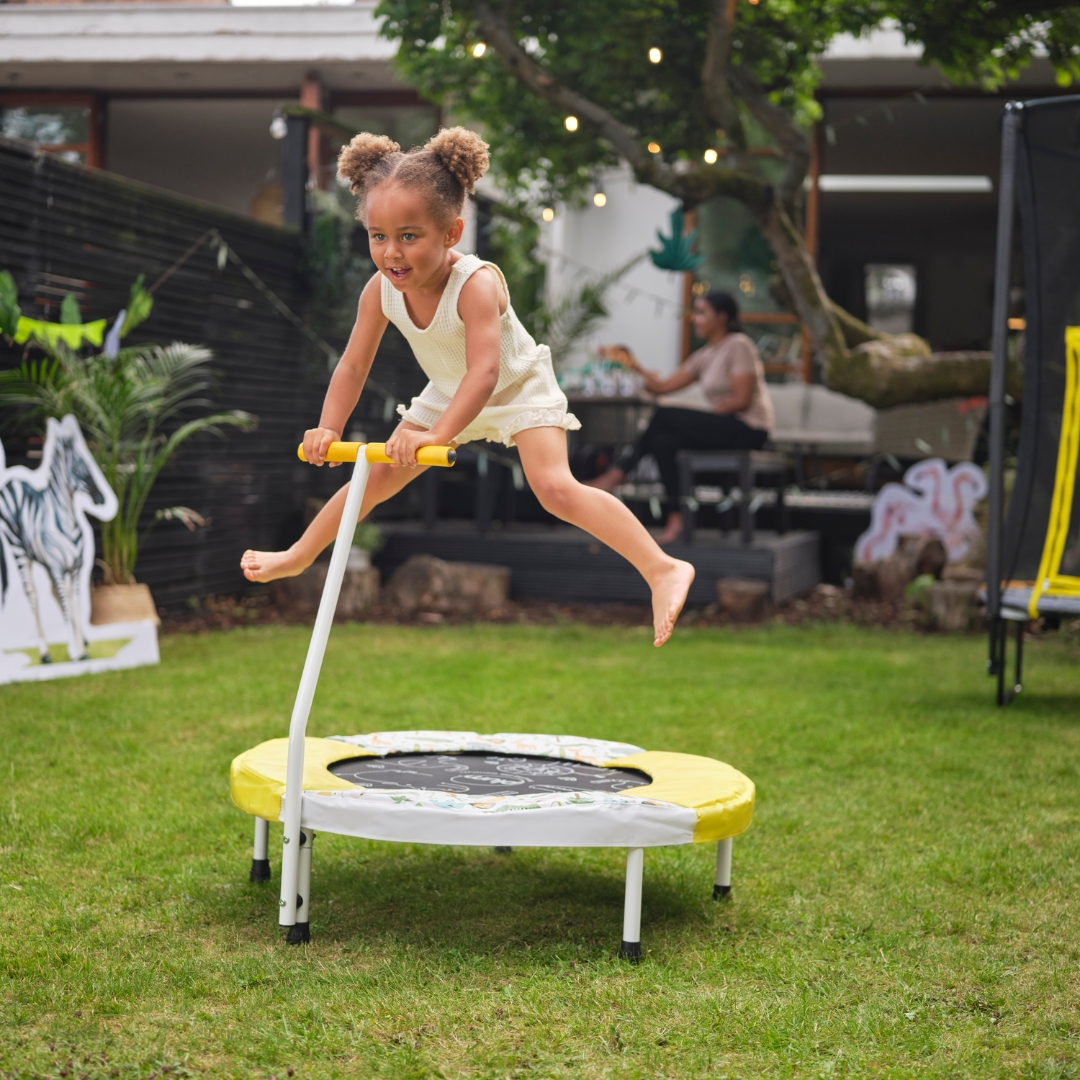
880,369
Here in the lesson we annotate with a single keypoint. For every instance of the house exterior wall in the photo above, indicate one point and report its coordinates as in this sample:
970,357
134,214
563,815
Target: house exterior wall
583,242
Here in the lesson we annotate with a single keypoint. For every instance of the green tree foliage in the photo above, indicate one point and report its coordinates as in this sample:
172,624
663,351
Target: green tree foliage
992,41
733,77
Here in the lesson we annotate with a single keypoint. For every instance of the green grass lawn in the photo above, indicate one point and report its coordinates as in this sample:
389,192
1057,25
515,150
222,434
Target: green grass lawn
904,904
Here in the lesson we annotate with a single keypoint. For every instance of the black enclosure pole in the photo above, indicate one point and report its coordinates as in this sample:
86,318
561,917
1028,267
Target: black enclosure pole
294,172
1006,215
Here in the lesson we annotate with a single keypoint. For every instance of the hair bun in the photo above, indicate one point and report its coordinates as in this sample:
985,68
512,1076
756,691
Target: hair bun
463,152
361,155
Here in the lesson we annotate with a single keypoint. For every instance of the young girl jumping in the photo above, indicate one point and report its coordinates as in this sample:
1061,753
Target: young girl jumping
488,378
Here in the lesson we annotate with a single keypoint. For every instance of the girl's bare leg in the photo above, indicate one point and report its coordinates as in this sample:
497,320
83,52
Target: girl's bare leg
384,481
543,457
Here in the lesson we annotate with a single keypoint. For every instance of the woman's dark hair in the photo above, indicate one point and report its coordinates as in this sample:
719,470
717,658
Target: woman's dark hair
723,303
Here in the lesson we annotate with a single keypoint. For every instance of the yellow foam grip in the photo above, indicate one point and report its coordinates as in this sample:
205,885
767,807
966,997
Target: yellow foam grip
375,452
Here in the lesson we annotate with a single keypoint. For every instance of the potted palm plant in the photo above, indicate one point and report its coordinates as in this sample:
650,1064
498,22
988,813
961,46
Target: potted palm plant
134,406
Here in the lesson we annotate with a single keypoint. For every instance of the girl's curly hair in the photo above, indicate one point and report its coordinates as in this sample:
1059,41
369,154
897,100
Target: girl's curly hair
448,166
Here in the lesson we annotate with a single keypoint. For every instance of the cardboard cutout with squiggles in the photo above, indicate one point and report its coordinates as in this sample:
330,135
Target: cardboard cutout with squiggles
933,500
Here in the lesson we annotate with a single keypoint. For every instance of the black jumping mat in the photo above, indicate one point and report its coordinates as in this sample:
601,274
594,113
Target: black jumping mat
485,774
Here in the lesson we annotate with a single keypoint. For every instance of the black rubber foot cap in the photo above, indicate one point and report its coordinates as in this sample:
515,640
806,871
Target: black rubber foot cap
720,891
299,934
260,870
503,850
630,950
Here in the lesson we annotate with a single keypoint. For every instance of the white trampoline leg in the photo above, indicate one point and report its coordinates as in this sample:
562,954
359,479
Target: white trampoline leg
631,927
723,869
300,931
260,862
293,801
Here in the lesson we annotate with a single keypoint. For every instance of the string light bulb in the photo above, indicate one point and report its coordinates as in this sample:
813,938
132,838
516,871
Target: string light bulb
654,148
599,199
656,55
710,156
547,214
571,123
479,49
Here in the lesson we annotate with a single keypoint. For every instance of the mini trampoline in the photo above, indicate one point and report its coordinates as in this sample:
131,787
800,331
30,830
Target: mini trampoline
1033,557
463,788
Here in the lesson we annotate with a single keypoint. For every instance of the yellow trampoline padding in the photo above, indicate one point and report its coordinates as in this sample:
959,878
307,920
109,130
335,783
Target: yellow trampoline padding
257,776
722,797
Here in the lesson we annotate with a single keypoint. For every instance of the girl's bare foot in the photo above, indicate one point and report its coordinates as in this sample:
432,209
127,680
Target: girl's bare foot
270,565
608,481
668,596
672,530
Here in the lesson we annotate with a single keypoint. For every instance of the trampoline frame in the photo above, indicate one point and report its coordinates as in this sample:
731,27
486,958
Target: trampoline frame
297,840
1008,601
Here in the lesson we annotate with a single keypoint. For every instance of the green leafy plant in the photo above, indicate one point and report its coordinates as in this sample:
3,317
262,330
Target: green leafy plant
10,313
368,537
140,304
563,324
918,590
134,412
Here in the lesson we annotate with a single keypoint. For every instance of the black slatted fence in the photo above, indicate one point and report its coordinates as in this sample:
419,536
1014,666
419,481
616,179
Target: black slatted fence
65,228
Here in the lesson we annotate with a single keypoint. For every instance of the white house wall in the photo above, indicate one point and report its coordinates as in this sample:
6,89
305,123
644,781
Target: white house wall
645,306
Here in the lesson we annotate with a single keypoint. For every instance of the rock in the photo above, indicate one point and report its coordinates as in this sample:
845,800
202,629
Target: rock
952,604
359,590
421,583
956,572
743,598
122,603
888,578
426,584
926,555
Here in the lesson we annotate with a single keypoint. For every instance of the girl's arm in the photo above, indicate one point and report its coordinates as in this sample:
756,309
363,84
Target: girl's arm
350,374
480,306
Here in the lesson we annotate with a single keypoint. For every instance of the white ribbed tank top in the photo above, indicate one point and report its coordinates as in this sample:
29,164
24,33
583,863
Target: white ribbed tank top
527,394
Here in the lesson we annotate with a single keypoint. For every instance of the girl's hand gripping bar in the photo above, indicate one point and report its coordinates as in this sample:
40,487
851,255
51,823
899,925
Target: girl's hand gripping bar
376,452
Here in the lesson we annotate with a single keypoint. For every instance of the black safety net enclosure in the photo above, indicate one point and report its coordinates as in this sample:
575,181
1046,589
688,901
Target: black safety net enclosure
1034,549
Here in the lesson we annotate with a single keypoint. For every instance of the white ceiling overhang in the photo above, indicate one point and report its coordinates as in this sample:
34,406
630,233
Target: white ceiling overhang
191,46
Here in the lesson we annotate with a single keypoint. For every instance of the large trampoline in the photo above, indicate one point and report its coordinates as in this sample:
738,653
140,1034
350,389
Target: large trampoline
1033,566
459,787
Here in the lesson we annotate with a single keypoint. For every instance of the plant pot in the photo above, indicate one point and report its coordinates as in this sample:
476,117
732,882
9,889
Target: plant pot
122,603
359,559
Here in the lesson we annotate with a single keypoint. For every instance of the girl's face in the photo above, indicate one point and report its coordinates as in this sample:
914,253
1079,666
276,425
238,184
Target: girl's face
707,322
407,244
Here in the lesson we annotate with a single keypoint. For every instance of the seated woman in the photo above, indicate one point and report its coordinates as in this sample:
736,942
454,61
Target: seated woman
733,380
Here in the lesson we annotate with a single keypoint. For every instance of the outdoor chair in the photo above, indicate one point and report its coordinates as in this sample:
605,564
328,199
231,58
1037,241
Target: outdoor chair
747,469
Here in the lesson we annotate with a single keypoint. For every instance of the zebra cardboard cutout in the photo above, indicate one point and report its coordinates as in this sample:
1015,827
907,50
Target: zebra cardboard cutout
46,559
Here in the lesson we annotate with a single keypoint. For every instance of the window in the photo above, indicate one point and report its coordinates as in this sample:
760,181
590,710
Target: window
890,297
65,126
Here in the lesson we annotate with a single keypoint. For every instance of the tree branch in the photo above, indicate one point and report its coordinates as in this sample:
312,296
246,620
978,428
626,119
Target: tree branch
691,188
719,105
498,35
780,125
